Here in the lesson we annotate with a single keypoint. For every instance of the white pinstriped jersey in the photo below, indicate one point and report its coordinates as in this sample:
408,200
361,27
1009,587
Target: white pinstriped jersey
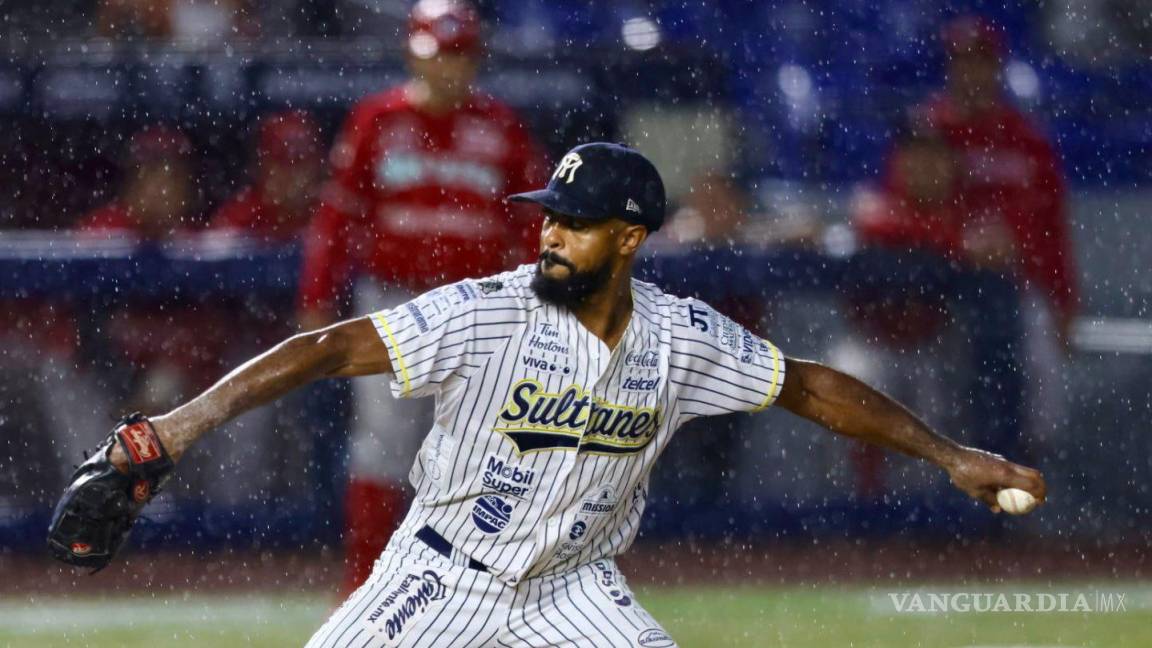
543,440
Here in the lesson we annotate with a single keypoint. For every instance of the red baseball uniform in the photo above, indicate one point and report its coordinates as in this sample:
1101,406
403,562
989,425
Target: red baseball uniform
417,199
1011,172
890,219
250,213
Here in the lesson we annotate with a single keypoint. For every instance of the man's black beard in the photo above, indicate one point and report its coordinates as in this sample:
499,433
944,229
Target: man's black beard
572,291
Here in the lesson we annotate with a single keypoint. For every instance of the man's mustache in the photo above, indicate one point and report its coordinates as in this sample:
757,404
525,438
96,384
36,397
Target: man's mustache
552,257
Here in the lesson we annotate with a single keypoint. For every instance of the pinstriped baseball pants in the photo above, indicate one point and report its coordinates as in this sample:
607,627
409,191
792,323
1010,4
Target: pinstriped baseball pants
416,598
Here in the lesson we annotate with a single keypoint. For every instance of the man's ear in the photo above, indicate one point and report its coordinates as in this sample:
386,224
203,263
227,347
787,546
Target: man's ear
631,237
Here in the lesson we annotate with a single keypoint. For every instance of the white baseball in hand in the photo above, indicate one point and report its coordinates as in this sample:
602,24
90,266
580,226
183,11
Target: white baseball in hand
1015,501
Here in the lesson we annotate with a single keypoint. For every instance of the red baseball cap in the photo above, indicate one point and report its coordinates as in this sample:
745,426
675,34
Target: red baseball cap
973,35
437,26
288,137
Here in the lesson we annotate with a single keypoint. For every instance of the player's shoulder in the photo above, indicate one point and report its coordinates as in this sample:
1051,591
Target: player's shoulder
511,289
1028,130
652,298
490,108
483,102
687,317
690,313
491,299
381,103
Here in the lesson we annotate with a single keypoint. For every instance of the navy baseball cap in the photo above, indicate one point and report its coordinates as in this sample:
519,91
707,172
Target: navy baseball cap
601,180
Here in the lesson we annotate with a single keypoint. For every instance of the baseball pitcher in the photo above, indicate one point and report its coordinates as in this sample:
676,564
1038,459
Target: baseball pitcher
557,385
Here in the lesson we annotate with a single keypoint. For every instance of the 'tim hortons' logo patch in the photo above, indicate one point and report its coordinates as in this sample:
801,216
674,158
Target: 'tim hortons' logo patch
536,420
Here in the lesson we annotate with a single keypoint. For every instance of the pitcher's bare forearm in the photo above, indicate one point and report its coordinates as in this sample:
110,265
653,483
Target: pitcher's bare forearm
350,348
847,406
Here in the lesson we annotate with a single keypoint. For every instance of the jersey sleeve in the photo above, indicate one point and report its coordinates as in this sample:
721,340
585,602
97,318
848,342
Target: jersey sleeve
718,366
429,338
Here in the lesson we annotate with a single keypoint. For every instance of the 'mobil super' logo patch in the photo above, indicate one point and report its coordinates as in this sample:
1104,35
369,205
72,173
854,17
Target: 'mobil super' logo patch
536,420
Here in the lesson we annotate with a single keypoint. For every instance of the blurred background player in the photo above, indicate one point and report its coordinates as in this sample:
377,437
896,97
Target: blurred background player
415,201
286,174
157,194
896,340
157,202
714,214
1014,205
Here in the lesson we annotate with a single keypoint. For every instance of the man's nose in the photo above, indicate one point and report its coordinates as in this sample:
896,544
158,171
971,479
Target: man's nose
550,238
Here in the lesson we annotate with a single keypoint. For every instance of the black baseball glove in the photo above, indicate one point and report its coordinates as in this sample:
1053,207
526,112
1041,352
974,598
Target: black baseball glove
96,512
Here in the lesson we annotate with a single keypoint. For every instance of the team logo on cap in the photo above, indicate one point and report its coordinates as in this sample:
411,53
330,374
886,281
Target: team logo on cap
567,169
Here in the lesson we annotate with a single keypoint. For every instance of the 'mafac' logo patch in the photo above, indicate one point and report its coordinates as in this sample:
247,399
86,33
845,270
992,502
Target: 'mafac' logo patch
534,420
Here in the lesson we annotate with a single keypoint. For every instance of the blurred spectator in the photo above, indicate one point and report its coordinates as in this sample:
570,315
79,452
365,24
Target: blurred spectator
716,212
47,346
134,19
158,353
916,210
417,200
713,212
896,342
51,405
286,173
713,217
157,193
1014,195
1014,204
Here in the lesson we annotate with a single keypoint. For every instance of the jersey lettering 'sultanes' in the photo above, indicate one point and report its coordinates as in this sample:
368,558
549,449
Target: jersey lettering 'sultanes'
543,440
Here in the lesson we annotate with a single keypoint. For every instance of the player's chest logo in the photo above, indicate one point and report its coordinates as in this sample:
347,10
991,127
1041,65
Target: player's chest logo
479,138
534,420
644,382
546,351
640,373
400,134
